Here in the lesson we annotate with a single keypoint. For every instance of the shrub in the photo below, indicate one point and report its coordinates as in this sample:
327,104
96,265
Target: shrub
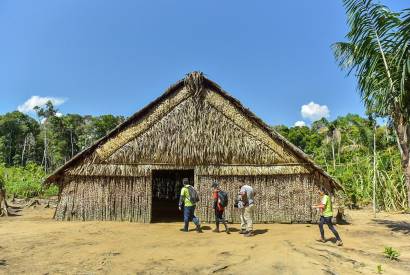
391,253
26,181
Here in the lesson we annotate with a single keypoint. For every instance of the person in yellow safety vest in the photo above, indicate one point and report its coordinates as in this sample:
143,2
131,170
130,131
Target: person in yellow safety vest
326,214
187,205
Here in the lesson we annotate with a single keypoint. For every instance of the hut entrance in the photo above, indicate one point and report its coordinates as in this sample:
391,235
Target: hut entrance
166,187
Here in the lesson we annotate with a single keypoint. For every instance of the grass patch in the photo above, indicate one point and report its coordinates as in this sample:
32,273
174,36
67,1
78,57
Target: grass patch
391,253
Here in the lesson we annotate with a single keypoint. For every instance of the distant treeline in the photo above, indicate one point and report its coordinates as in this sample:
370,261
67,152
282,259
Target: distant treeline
30,148
51,142
345,149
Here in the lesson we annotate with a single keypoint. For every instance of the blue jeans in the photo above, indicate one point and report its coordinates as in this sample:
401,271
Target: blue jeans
328,221
189,216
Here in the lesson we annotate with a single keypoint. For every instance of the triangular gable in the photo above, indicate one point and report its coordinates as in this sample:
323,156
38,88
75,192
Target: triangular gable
192,133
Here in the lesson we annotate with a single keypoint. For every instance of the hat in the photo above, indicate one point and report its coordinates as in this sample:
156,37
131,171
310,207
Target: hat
185,181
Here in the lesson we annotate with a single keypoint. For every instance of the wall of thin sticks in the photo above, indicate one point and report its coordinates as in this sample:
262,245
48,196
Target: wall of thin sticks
105,198
279,198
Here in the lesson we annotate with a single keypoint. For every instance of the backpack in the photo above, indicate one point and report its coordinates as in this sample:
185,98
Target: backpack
223,198
193,194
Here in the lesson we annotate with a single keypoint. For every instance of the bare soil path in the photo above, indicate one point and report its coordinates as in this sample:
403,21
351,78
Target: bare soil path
35,244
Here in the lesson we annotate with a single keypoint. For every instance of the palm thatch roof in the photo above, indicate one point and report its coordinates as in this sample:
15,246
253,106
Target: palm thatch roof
196,83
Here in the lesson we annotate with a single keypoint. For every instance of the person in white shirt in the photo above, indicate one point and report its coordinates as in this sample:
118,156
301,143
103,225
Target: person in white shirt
246,206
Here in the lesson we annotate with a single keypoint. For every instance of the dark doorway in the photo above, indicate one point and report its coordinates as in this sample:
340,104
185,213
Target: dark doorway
166,189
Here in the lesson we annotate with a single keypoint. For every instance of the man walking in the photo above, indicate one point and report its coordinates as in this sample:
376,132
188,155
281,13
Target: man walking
326,214
187,200
220,202
246,205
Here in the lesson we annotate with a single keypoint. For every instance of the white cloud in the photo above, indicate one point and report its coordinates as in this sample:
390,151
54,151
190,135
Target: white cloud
58,114
299,123
314,111
40,101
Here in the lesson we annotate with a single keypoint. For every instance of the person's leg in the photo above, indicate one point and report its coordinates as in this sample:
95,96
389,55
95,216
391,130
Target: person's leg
332,228
196,220
225,223
243,222
216,220
322,232
249,220
186,217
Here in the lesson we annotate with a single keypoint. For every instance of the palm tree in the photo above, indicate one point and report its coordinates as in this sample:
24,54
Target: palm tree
378,51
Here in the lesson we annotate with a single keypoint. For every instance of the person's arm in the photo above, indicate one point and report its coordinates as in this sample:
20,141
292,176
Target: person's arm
321,205
181,198
215,197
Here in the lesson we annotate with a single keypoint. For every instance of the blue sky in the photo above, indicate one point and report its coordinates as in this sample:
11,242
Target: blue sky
98,57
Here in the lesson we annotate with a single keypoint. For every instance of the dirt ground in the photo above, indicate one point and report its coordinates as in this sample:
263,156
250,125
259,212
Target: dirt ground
33,243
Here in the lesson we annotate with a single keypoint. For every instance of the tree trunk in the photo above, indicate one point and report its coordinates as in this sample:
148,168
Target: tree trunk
374,170
24,150
3,203
72,145
333,154
402,129
45,147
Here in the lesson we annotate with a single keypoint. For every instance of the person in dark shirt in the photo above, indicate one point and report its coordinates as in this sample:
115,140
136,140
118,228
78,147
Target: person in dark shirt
218,207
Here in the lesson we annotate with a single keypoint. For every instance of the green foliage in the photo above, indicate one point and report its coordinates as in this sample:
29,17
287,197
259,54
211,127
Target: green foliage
102,125
379,269
2,181
18,138
25,181
23,139
28,148
391,253
378,52
305,138
344,147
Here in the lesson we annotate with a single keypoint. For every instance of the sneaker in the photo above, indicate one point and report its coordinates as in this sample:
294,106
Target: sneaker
216,230
243,231
321,240
339,243
227,231
249,234
183,230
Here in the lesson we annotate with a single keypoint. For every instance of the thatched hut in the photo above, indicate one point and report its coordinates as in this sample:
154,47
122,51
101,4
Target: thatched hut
194,130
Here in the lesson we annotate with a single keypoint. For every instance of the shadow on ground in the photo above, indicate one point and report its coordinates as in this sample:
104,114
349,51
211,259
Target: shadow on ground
14,211
396,226
260,231
332,239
